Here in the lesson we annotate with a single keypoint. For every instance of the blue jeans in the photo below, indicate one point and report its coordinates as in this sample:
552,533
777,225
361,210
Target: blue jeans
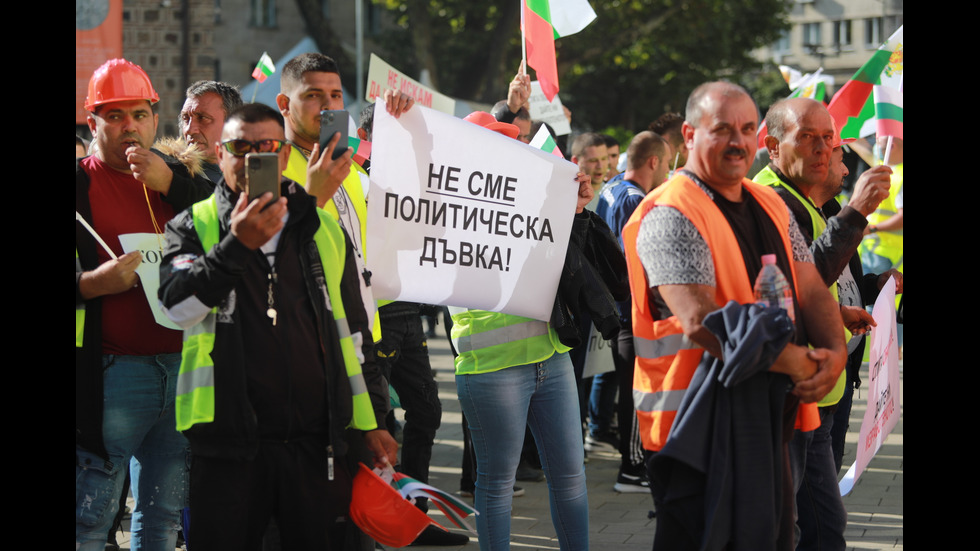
602,402
139,433
821,517
497,406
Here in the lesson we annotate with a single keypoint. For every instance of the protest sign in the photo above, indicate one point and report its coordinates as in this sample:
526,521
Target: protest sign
463,216
382,76
598,355
883,393
550,112
149,244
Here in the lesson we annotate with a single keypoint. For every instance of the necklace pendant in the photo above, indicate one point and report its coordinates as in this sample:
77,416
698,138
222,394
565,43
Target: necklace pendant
273,315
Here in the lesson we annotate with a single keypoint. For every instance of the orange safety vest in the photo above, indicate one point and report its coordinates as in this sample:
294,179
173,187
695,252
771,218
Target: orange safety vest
665,358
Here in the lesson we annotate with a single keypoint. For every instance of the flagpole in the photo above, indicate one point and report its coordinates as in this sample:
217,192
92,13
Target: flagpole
523,39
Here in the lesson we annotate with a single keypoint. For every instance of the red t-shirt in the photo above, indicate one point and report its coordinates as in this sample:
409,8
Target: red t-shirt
119,206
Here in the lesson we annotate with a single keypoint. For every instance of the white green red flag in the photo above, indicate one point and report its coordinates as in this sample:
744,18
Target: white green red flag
263,68
852,107
888,111
542,22
545,142
810,85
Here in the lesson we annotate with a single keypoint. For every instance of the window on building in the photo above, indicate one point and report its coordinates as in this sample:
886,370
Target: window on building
892,23
263,13
872,33
781,46
811,34
842,34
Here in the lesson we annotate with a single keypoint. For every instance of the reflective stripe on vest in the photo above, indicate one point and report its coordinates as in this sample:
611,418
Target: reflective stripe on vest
195,383
665,362
79,312
888,244
348,207
490,341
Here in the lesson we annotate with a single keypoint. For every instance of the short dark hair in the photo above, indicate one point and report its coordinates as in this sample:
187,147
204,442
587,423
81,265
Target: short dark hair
255,112
231,98
667,123
646,144
609,140
298,66
585,141
693,113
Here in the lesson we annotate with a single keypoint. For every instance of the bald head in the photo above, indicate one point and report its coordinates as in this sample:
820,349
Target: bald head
800,141
720,133
702,96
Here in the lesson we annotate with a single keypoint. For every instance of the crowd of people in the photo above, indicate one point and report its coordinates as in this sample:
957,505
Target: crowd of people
257,378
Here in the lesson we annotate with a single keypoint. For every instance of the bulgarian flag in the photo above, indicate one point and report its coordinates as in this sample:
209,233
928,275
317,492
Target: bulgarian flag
810,85
543,141
264,68
852,107
888,111
542,21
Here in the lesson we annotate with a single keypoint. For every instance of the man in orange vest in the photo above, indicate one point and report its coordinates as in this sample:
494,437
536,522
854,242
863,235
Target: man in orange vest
693,245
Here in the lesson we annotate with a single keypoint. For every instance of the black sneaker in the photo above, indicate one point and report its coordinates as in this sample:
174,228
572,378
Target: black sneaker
527,473
632,484
437,537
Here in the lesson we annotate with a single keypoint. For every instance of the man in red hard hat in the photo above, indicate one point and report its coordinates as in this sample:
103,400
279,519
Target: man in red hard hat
126,363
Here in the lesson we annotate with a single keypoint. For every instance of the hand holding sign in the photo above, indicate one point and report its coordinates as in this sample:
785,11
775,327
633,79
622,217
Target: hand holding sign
397,102
585,191
114,276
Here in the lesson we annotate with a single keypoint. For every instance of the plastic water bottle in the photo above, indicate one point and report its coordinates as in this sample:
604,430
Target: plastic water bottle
771,287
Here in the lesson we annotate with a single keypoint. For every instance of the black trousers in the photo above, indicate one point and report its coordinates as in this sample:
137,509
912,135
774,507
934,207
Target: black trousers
232,502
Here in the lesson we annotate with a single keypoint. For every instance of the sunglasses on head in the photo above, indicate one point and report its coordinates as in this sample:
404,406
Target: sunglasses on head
240,148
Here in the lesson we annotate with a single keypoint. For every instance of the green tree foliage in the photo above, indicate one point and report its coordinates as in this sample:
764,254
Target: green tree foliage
637,60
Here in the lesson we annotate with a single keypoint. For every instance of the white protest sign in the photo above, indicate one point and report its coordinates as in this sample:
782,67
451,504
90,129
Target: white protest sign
382,76
598,355
460,215
149,270
883,409
550,112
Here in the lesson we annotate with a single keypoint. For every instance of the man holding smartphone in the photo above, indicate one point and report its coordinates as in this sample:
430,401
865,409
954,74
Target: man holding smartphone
277,355
311,84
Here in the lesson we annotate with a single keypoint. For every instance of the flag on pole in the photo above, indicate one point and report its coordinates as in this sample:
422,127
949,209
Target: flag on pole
543,141
852,107
810,85
888,111
543,21
263,68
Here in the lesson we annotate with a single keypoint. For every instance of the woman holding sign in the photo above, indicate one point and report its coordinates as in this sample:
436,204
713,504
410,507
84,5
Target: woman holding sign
512,372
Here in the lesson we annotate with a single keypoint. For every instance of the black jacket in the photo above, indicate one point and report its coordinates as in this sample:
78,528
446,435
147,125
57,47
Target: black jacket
593,278
185,190
212,276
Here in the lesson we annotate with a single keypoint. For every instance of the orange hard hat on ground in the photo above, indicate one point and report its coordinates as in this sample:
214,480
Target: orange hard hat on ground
382,513
119,80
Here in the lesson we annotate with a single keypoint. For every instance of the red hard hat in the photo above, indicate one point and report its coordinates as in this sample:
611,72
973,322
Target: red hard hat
487,121
119,80
382,513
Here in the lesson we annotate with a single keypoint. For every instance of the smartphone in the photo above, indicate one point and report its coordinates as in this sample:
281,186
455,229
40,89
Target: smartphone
262,175
332,122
